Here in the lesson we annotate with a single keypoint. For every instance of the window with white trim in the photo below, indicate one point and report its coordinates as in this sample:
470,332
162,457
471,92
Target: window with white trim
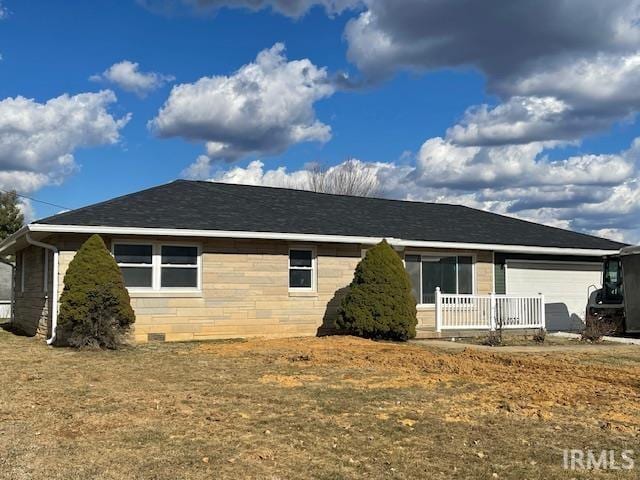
302,269
155,266
136,264
179,267
453,274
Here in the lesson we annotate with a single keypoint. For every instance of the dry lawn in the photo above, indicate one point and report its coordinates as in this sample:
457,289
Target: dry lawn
324,408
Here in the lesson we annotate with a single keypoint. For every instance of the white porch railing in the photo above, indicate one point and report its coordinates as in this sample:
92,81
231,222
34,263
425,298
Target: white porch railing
488,312
5,309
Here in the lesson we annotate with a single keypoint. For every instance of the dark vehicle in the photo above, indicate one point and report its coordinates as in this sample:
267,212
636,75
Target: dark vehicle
630,258
618,301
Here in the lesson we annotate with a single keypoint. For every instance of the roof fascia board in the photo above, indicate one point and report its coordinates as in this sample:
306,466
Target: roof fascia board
11,239
306,237
630,250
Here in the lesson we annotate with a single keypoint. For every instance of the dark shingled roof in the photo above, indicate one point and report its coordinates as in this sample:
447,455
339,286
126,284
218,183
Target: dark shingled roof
218,206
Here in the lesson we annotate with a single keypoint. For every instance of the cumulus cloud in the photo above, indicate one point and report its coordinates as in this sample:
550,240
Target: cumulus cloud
291,8
441,163
255,174
351,177
564,102
562,70
504,39
520,120
263,108
37,140
127,76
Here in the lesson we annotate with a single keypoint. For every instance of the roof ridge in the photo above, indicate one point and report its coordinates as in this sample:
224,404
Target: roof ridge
289,189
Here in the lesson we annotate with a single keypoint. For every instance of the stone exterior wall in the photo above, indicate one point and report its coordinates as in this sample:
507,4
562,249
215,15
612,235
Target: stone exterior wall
245,290
32,305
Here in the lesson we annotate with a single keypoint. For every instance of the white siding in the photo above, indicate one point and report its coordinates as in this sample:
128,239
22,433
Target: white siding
565,287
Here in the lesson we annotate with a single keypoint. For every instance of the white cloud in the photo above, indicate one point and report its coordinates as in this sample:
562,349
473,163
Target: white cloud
571,68
254,174
37,140
291,8
564,103
462,33
598,79
263,108
519,120
441,163
4,12
127,75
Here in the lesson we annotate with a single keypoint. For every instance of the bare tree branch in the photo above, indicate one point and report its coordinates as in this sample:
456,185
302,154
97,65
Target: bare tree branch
351,177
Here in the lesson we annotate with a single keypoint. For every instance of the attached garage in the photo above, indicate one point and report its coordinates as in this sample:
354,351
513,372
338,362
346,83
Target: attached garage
565,286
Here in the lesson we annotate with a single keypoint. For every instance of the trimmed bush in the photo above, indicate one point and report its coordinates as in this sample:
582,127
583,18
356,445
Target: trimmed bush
379,303
95,308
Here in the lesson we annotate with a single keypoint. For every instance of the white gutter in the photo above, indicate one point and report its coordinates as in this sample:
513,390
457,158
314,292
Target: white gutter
312,237
630,250
54,287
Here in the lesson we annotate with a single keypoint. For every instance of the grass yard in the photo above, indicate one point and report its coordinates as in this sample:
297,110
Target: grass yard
324,408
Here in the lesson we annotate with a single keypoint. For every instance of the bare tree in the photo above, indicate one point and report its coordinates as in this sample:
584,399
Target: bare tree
351,177
316,178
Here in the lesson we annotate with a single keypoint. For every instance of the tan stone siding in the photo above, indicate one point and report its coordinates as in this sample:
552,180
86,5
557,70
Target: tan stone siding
32,305
245,290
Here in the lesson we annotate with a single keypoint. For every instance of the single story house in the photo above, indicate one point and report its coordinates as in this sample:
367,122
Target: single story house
207,260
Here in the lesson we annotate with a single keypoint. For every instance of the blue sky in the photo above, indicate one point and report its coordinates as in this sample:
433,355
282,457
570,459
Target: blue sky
549,135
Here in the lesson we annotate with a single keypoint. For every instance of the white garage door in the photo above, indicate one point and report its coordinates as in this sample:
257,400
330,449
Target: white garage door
564,285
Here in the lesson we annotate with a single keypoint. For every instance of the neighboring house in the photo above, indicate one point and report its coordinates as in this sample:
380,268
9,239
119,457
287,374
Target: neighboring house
209,260
6,287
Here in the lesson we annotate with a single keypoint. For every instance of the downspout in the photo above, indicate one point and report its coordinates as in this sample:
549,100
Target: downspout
54,287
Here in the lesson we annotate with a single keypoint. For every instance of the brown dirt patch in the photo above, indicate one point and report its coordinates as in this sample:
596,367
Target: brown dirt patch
326,408
530,385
